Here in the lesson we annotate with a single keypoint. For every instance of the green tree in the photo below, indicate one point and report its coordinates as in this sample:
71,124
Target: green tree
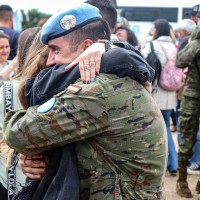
32,17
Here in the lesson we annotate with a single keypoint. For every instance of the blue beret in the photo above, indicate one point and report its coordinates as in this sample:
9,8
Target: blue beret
68,20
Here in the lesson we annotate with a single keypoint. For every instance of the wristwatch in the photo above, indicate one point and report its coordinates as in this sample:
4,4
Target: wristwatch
107,44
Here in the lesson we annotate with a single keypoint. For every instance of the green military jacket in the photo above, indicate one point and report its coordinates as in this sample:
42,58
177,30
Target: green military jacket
118,130
190,57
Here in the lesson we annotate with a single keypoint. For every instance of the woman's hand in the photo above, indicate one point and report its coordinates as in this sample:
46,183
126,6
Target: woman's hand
148,86
34,166
89,62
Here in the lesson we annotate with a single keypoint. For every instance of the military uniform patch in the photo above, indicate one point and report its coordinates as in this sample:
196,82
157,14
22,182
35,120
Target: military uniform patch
73,88
47,105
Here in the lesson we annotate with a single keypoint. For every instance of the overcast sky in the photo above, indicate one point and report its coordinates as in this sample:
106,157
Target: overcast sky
46,6
52,6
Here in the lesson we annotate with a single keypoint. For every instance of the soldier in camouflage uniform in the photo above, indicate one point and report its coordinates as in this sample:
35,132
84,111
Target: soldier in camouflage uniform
118,130
190,109
119,133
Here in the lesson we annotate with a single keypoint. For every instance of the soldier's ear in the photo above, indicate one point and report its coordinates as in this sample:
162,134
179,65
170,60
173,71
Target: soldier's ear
86,43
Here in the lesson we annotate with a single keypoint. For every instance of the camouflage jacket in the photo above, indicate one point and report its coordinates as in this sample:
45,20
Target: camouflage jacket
189,57
119,132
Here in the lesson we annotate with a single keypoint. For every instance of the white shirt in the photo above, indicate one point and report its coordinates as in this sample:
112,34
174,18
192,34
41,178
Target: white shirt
165,99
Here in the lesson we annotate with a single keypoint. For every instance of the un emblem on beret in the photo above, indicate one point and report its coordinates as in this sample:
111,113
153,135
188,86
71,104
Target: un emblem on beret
68,22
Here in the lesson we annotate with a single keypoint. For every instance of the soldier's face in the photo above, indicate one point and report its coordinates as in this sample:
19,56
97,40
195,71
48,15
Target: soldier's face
61,52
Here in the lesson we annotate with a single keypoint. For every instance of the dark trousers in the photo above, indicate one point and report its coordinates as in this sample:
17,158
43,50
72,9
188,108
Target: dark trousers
3,193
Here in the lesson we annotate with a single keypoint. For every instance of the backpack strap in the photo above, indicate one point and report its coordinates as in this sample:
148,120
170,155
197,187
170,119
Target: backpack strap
8,106
152,46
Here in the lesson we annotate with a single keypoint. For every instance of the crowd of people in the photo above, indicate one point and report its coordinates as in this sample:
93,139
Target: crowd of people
81,115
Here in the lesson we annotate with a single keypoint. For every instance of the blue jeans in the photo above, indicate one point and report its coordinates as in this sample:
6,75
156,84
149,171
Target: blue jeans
174,117
172,164
175,114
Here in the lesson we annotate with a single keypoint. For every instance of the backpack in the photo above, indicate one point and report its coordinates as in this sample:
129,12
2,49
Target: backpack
154,62
171,77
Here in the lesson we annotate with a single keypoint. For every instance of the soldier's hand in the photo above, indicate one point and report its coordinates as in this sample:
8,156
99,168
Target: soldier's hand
89,62
34,166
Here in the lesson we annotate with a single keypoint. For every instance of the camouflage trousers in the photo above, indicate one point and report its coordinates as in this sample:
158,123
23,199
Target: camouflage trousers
188,126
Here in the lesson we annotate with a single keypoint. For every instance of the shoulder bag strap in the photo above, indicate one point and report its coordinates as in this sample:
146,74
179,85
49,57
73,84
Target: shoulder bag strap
8,106
8,95
162,47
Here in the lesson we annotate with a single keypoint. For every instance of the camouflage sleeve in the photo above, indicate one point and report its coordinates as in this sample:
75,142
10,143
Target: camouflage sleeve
195,33
69,118
187,54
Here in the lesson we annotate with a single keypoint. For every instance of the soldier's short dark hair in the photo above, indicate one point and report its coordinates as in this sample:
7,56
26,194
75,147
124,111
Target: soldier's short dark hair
95,30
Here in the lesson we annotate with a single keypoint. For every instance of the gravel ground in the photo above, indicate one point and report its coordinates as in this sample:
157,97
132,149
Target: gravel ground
170,187
170,182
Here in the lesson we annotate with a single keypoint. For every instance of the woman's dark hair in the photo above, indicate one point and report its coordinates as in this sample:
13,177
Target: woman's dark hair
131,37
107,10
162,27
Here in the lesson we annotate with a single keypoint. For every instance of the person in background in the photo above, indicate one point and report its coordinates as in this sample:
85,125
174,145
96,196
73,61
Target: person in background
122,21
9,71
126,34
194,161
193,13
166,100
6,25
108,13
4,50
185,28
190,109
115,163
